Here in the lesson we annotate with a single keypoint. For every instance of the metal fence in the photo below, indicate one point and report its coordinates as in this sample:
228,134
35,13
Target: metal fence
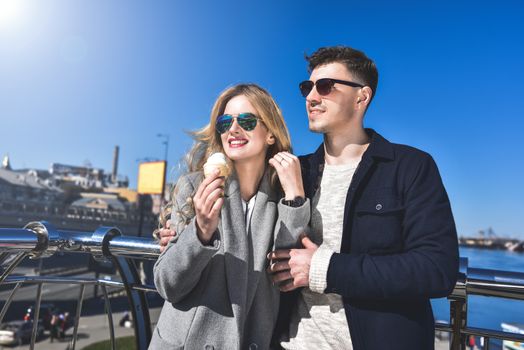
40,240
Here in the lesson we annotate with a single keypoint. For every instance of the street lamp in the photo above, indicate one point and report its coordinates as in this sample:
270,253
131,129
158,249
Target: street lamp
165,137
165,143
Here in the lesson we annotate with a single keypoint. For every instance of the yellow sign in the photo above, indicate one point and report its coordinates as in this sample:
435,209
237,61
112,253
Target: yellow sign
151,177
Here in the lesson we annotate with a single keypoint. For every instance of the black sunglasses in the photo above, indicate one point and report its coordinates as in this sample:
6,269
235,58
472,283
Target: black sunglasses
324,85
247,121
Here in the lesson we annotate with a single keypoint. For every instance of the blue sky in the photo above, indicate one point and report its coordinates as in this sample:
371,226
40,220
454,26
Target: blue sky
79,77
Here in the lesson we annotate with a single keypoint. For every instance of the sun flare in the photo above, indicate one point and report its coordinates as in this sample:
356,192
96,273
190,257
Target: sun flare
10,12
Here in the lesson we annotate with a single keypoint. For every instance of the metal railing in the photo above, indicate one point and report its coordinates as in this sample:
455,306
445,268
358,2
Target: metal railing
40,239
481,282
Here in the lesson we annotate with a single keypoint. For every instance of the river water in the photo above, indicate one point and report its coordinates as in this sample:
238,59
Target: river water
488,312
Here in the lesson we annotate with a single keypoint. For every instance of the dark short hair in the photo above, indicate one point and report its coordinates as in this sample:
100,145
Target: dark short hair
356,62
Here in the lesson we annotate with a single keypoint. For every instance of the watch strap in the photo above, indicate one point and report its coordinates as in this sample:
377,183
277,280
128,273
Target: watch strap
295,202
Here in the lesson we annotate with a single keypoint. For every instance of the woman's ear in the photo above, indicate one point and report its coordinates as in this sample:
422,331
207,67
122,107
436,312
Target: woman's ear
270,139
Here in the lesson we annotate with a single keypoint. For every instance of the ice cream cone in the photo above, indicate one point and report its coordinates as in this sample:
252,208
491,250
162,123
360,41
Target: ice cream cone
216,161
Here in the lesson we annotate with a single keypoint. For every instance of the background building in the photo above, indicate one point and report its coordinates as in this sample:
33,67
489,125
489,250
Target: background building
73,198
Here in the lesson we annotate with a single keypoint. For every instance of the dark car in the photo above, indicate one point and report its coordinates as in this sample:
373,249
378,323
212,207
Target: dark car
18,332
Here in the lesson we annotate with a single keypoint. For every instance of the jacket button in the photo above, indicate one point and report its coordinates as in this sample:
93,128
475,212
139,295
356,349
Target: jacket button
209,347
378,206
253,346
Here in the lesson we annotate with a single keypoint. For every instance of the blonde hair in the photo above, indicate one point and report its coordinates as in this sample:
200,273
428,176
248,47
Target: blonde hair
208,140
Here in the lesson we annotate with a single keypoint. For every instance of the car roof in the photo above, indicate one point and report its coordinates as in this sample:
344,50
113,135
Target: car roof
13,323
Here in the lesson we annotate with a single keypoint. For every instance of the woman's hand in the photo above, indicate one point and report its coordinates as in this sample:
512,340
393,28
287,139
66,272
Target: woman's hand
287,166
208,201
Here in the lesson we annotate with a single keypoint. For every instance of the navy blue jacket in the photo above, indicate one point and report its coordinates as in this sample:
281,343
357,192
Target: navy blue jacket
399,247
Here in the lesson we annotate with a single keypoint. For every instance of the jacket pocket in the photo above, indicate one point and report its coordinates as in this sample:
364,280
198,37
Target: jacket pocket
174,323
379,224
159,343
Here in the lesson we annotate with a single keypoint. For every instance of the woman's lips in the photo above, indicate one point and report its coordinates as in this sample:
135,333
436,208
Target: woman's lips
237,143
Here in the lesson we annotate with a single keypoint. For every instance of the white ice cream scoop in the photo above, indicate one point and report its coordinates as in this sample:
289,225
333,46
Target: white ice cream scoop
216,161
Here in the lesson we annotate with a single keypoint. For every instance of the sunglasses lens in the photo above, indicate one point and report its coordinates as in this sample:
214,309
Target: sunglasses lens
223,123
247,121
306,87
324,86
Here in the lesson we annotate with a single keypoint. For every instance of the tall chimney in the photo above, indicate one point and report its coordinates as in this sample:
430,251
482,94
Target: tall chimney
115,165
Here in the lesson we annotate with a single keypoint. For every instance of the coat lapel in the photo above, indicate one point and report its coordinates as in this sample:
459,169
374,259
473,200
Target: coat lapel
236,250
261,234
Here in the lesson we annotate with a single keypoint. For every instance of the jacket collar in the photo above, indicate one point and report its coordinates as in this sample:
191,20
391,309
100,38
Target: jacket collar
233,186
379,149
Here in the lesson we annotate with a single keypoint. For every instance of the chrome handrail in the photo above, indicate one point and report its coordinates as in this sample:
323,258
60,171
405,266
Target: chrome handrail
481,282
40,239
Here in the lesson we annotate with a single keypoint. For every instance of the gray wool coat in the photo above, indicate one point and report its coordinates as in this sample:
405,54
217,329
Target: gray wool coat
220,296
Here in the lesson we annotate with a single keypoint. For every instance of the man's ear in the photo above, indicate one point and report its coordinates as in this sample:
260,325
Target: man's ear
270,139
364,97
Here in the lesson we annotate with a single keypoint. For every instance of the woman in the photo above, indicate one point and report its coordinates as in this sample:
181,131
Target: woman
212,273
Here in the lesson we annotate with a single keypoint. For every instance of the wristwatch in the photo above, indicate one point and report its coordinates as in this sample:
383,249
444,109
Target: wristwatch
295,202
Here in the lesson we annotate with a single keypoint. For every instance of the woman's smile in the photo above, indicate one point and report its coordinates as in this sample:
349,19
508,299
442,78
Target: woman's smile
237,142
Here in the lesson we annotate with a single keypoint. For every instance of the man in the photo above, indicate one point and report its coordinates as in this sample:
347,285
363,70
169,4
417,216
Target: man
383,240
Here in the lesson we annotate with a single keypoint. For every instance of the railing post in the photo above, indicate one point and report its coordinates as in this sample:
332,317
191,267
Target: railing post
458,300
137,301
36,316
129,275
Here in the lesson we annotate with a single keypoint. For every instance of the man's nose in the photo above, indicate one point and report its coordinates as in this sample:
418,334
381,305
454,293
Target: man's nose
313,98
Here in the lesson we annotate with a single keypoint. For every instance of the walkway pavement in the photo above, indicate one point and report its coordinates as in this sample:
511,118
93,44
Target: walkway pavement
96,328
90,330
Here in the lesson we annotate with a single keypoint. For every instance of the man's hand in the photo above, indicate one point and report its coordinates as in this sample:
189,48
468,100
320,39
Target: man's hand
165,236
290,267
